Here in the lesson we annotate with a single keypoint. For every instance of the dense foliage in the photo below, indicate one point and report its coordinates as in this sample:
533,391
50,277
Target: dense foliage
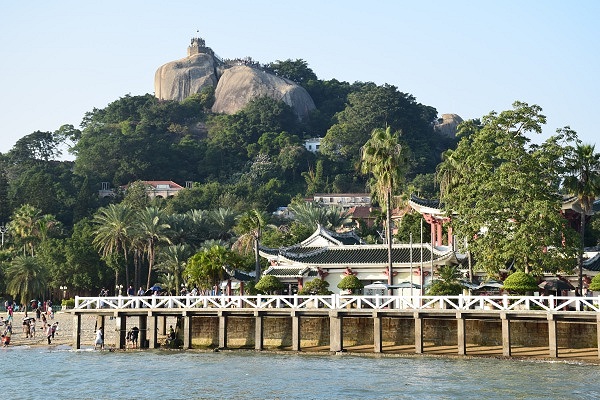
504,193
239,168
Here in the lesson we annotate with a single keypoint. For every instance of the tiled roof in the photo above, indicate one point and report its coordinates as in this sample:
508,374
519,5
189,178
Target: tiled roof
287,272
592,264
171,184
239,275
321,234
366,255
434,203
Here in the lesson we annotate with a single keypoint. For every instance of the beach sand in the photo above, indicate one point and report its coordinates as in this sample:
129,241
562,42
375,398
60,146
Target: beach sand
64,333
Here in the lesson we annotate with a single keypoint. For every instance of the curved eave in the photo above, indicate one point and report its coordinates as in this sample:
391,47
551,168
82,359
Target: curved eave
423,209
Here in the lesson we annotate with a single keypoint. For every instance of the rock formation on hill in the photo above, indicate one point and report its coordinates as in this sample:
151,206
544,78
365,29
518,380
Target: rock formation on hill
447,124
240,84
235,85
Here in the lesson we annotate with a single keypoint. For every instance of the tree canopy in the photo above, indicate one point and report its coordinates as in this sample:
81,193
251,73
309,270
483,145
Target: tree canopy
502,198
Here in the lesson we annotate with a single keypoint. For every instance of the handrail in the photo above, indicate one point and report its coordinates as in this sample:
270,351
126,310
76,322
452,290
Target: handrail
339,302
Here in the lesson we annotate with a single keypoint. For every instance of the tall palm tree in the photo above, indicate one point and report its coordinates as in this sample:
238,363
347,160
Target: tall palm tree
250,226
386,159
25,278
113,234
585,184
151,229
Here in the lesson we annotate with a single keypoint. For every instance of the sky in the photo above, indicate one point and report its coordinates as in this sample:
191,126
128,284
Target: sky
61,59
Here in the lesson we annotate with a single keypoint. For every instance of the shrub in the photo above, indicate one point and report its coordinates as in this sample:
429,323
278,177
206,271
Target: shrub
441,288
595,283
520,283
316,286
268,284
68,303
350,282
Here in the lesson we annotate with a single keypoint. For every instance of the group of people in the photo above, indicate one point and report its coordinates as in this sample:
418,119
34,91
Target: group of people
131,337
29,324
6,332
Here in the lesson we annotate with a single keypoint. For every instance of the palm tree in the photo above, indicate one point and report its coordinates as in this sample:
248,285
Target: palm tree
23,225
223,221
585,184
385,158
25,278
250,226
309,214
113,234
172,261
151,230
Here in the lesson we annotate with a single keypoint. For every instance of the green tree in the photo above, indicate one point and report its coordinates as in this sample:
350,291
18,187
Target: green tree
501,198
172,262
114,229
386,159
310,215
25,278
83,272
585,184
205,268
595,283
520,282
447,284
151,229
373,107
250,226
23,225
351,283
294,70
268,284
317,287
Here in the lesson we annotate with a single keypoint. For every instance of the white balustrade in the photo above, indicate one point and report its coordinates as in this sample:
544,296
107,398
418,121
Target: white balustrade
339,302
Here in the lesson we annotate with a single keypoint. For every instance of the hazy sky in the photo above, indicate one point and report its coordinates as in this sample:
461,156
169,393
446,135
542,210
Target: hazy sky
60,59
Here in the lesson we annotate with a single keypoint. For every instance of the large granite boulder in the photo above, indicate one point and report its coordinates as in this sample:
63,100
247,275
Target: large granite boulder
240,84
447,123
179,79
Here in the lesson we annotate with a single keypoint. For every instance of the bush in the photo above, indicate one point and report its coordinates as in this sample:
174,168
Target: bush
595,283
350,282
68,303
520,283
316,287
441,288
268,284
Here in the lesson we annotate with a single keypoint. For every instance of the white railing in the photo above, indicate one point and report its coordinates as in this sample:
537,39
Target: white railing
339,302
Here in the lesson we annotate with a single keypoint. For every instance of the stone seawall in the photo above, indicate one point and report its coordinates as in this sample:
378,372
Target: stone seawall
359,331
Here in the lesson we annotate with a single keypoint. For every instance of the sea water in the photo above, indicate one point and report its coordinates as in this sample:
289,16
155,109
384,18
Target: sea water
63,373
